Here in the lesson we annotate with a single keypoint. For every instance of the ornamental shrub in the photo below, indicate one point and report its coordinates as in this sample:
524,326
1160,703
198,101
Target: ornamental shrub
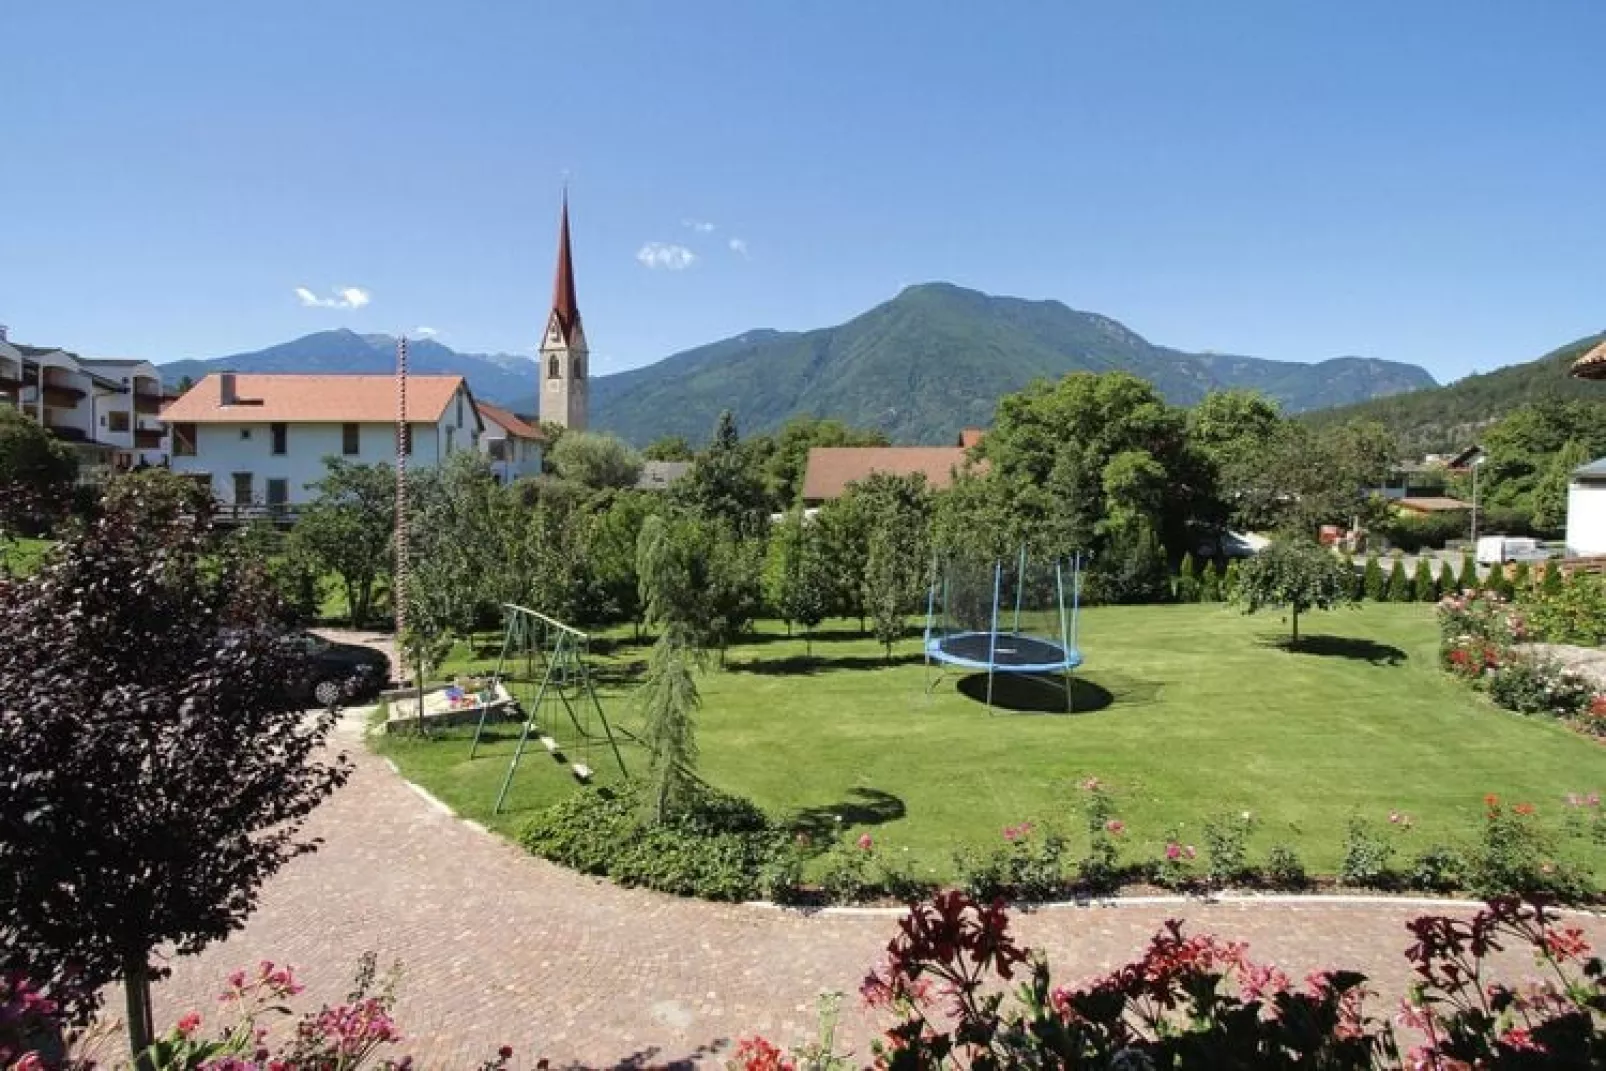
1284,868
1366,856
1226,840
1521,578
1374,582
1099,869
1529,684
1174,868
849,872
1424,586
1210,581
1516,855
1436,868
981,872
1400,589
717,847
1229,580
1186,586
1573,611
1468,579
1550,580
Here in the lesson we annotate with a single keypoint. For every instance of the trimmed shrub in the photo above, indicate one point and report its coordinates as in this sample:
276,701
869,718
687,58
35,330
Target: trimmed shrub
1437,868
1468,578
1229,580
1186,586
1400,588
1284,868
1374,582
1366,856
1423,585
1550,580
1226,841
1521,578
1210,581
1517,856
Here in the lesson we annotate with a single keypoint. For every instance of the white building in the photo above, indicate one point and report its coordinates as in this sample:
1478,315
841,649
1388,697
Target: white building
1586,510
510,443
109,410
260,440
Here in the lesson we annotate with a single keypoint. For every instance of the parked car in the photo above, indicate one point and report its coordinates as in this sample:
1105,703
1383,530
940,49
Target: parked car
339,672
1498,549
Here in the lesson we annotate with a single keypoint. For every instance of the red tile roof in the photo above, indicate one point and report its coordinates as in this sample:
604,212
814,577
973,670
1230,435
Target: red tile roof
832,468
1431,504
510,422
969,437
313,399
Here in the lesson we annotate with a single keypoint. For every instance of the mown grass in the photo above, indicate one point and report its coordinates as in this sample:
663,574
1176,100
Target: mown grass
1186,712
21,557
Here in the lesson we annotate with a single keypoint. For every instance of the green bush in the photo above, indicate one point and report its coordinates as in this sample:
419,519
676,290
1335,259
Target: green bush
1100,869
1400,589
1521,578
1366,856
1186,586
1468,578
1374,582
1530,685
849,874
1412,534
1174,868
1210,581
718,847
1437,868
981,873
1571,610
1424,586
1284,868
1229,580
1226,843
1550,580
1515,855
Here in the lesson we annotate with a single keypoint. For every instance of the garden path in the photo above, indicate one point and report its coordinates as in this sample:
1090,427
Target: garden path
502,948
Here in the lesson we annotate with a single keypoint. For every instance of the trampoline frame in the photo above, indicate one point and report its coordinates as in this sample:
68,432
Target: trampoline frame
1070,654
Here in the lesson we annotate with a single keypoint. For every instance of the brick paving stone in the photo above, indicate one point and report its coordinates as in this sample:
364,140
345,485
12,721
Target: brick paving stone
500,947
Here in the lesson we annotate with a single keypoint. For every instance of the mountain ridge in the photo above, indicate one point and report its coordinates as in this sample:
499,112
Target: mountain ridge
920,366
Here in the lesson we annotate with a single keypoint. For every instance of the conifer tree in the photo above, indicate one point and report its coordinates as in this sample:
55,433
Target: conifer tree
1424,586
1469,573
1374,581
1186,587
1210,581
1522,579
1551,583
1400,588
1229,581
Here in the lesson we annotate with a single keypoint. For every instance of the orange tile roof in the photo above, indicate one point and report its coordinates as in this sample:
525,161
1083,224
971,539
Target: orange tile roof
832,468
510,422
969,437
1431,504
313,399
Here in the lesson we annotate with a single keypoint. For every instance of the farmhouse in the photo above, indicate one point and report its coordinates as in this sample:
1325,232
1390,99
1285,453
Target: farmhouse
260,440
510,443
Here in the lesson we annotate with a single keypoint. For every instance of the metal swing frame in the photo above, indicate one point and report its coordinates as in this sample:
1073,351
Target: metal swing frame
565,668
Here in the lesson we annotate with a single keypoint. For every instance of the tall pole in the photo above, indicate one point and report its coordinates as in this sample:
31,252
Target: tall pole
1475,507
399,586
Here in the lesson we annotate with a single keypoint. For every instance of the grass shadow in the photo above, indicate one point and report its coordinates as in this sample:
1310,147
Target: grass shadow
650,1057
1023,694
863,807
807,665
1357,648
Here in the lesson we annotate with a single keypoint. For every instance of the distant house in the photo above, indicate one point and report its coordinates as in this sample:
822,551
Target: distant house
510,443
1586,510
1463,460
832,468
107,410
658,475
1429,505
969,437
260,440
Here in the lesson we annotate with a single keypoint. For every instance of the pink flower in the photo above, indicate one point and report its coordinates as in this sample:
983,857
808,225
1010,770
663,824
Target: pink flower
864,842
1092,784
1394,818
29,1061
189,1023
1593,799
1187,850
1574,799
1114,827
1173,850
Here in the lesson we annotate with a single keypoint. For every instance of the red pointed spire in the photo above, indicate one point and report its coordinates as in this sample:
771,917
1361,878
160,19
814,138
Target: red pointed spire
564,304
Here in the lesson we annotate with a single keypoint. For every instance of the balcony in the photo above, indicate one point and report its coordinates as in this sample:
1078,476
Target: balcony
147,439
59,397
147,404
66,434
10,381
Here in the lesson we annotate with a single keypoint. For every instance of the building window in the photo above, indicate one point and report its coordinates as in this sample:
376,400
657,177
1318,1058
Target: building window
281,439
552,367
450,432
278,494
350,439
117,420
497,449
242,488
245,433
459,410
183,440
579,368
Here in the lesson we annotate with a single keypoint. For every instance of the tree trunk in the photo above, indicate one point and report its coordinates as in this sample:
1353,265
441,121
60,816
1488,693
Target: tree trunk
1296,629
137,994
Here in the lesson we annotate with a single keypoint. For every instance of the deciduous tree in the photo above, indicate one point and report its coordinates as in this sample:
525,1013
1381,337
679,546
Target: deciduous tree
1296,576
349,527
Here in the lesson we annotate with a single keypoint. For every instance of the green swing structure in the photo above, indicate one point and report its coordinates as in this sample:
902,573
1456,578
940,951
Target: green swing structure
558,654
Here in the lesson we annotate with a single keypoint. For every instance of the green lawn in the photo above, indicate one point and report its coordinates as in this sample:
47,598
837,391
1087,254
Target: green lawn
21,556
1199,712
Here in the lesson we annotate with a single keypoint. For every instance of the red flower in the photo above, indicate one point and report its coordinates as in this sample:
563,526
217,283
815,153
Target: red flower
1524,809
189,1024
865,843
758,1054
1491,801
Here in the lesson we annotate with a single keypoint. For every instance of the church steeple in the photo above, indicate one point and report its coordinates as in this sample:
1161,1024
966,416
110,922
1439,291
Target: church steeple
563,347
565,306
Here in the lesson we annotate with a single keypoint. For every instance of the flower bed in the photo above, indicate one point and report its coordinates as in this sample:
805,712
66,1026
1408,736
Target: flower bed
1479,637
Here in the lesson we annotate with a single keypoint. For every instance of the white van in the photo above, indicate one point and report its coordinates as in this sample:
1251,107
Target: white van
1497,550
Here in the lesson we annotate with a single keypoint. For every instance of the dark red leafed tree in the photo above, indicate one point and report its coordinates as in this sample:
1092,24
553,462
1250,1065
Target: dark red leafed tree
151,775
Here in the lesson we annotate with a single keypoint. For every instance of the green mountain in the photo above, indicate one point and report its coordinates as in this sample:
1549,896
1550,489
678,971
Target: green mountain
936,358
1445,419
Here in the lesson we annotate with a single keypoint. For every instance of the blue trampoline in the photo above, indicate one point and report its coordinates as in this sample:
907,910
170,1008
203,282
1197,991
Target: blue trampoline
1016,617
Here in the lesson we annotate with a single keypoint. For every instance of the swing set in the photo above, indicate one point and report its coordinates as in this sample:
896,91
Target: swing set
559,654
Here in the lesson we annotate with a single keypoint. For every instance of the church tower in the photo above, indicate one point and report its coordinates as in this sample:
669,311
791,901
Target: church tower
564,356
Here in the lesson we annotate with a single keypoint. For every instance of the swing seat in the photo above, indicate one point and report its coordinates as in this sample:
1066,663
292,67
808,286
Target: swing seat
582,772
549,743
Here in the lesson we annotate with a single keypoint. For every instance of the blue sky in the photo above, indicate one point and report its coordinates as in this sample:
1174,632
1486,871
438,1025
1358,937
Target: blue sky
1421,181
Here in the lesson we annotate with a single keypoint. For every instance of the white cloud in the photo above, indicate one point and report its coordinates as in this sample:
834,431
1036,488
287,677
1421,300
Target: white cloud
701,226
666,256
738,246
425,332
346,297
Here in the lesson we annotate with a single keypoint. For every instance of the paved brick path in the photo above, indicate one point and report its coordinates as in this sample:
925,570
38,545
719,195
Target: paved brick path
500,947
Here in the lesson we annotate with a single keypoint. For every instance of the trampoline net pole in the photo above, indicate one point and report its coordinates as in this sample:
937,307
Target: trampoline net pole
992,635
